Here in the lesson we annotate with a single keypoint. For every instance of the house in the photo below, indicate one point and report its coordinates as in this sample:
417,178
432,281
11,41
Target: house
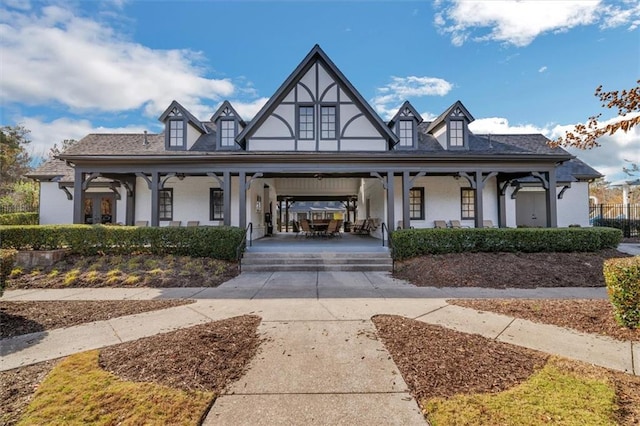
316,139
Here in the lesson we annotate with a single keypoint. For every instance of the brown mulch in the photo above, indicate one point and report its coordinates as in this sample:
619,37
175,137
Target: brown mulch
588,316
23,317
138,270
204,357
503,270
437,362
17,387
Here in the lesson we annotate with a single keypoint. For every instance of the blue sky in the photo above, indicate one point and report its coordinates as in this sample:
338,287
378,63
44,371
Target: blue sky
71,68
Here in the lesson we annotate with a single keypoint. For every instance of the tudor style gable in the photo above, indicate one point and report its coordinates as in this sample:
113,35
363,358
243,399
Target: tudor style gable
182,129
317,109
451,128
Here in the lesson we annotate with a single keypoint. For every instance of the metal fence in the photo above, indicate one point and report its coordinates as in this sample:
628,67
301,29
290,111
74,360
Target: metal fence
19,208
622,216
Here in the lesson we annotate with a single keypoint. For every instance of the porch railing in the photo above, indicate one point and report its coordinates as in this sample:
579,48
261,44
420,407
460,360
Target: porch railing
243,244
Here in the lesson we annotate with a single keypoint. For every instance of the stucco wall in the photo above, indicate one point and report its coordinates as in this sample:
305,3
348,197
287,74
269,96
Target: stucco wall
573,208
55,209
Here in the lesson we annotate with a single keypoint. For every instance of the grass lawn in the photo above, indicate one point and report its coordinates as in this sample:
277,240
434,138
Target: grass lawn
78,391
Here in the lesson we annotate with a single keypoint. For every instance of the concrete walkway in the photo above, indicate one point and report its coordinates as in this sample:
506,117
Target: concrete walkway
321,350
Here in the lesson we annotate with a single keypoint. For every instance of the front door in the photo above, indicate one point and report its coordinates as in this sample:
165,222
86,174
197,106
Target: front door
99,208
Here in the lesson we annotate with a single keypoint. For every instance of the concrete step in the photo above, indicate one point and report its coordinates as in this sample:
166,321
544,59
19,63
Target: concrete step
308,267
316,261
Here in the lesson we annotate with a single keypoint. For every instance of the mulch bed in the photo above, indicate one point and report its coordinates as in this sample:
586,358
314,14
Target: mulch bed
23,317
437,362
504,270
130,271
588,316
205,357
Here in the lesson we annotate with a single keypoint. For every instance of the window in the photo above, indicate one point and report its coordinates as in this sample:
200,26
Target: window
305,122
165,201
456,133
328,122
227,133
216,204
176,133
468,203
416,203
405,133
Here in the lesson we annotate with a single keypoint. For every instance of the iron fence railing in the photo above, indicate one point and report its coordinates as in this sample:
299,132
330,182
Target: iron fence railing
622,216
19,208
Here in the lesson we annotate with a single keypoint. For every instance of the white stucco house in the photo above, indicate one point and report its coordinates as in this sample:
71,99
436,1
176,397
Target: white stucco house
316,139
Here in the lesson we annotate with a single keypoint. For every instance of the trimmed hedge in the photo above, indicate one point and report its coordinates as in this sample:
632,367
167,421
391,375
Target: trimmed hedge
219,242
623,285
629,227
7,260
19,219
408,243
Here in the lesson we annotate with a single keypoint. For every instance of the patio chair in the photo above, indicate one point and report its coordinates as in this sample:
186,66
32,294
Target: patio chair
456,224
440,224
175,223
357,226
142,223
306,228
296,227
488,224
333,228
193,223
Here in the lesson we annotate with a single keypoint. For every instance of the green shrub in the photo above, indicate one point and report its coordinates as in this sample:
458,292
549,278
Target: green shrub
623,285
7,260
219,242
19,219
408,243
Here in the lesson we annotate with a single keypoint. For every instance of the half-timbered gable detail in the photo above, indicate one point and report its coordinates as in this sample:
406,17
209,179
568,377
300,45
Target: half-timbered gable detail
451,128
405,125
228,125
317,109
182,129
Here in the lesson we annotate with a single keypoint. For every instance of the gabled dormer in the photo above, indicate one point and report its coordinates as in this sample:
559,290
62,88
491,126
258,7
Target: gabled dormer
182,129
451,128
405,125
228,124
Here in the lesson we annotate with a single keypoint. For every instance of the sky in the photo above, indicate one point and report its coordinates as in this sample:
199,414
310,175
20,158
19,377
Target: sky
70,68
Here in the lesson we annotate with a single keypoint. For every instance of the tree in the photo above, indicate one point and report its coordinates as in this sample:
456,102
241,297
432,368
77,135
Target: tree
586,136
64,145
14,157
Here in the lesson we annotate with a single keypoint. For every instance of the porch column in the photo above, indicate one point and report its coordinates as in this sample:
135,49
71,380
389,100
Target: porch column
78,203
479,206
502,203
552,207
406,189
130,190
390,201
242,198
155,199
226,198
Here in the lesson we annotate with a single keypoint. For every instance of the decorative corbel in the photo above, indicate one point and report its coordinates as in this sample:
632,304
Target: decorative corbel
489,176
216,177
255,176
66,191
419,175
503,187
471,179
128,188
515,191
88,180
112,187
165,179
145,177
562,191
380,178
541,178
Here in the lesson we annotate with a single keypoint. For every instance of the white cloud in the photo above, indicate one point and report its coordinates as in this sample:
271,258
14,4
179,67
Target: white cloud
520,22
44,134
54,56
248,110
391,96
542,69
608,159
